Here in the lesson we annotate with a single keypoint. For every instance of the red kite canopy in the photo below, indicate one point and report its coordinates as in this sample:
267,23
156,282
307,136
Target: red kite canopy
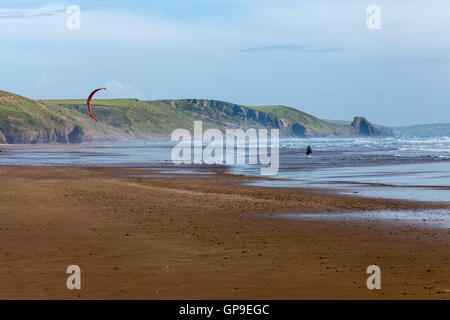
88,102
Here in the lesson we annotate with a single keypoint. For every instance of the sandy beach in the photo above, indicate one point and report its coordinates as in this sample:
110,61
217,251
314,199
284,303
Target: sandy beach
204,237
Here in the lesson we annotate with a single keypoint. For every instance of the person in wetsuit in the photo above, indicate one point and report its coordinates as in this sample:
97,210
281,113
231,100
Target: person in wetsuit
308,150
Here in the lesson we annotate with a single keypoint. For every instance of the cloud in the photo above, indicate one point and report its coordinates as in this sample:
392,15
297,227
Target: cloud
30,12
116,89
35,9
290,47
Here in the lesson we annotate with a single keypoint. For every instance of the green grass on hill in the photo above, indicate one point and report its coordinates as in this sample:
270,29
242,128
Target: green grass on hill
160,117
135,119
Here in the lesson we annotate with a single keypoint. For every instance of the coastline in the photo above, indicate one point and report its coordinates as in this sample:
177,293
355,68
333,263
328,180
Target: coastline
204,236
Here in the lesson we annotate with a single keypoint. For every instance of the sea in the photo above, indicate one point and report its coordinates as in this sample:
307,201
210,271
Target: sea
391,167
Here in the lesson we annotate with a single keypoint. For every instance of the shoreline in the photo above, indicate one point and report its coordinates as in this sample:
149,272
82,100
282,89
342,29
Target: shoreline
204,237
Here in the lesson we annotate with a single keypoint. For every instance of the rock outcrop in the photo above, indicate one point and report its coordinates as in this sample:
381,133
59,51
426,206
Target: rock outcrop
365,128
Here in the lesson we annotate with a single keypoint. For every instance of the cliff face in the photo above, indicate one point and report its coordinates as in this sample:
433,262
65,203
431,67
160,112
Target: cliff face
289,121
24,120
69,134
241,115
3,139
364,127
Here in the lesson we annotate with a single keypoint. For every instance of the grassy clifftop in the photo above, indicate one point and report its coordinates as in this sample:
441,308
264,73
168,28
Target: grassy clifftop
160,117
23,120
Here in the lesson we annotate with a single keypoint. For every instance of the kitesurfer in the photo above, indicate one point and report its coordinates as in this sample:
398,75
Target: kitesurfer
308,150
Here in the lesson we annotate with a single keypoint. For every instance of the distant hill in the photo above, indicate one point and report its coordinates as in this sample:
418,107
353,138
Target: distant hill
420,130
23,120
342,122
424,130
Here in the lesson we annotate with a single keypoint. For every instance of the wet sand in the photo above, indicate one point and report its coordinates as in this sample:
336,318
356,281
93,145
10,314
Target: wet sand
204,237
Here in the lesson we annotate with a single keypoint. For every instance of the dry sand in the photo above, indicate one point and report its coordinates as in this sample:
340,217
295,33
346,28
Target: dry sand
202,237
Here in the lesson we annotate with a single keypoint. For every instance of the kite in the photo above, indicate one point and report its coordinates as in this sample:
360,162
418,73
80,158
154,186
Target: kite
88,102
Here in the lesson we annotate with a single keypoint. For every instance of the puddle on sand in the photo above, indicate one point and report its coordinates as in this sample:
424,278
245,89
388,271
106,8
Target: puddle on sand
167,173
168,170
429,218
408,193
426,194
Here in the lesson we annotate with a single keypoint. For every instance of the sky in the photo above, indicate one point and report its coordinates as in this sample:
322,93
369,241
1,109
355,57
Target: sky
317,56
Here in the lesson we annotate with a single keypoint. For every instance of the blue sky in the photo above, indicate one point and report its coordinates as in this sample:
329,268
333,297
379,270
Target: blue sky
317,56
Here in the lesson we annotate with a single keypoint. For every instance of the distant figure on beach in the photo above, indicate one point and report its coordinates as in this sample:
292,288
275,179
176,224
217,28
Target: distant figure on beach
308,151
